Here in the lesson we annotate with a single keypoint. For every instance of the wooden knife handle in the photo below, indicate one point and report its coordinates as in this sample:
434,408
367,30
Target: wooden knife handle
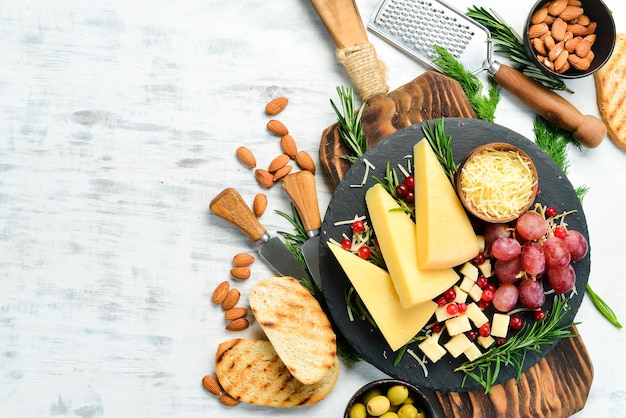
586,129
300,187
230,205
343,21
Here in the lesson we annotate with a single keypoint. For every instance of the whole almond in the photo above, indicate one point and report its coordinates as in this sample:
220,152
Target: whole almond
238,324
556,7
275,106
559,27
279,174
571,13
231,299
264,178
535,31
220,292
211,384
578,30
246,157
240,273
556,51
549,41
577,3
277,127
583,20
539,16
560,61
581,64
278,163
583,48
591,27
259,205
288,145
235,313
304,161
539,46
228,400
570,45
242,260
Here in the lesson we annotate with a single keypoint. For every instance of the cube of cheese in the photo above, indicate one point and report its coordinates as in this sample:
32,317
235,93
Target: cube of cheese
430,346
473,352
442,314
486,342
476,315
485,268
461,296
476,293
457,345
466,284
469,270
458,325
500,325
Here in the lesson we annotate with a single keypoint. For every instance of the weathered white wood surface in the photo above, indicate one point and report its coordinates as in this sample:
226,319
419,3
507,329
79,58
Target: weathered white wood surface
119,122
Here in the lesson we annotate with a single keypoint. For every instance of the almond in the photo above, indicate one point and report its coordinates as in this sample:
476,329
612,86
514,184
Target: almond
220,292
242,260
279,174
275,106
238,324
211,384
583,20
581,64
591,28
264,178
231,299
304,161
277,127
539,46
583,48
535,31
539,16
278,163
549,41
559,27
560,61
571,13
235,313
246,157
288,145
556,50
577,3
570,45
228,400
240,273
556,7
259,205
578,30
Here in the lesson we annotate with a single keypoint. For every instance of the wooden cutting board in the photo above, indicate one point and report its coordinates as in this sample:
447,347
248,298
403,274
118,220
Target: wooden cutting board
558,385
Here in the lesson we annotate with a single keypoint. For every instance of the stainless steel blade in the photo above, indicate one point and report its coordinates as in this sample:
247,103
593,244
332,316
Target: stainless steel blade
276,253
311,253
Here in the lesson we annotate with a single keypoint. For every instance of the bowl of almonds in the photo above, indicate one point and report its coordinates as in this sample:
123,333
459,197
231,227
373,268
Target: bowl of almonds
570,38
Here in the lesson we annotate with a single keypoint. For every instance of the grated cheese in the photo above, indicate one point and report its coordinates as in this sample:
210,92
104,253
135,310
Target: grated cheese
420,361
499,184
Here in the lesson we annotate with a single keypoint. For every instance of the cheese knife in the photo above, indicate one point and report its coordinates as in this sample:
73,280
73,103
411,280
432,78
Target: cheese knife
229,205
300,187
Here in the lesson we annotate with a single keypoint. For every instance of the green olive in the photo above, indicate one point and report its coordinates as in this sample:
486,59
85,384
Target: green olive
357,411
378,405
369,395
397,394
408,411
389,415
409,400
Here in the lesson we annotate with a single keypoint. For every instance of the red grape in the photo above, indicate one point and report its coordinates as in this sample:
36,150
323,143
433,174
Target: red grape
507,271
531,294
505,248
505,297
556,253
494,231
577,245
531,225
562,279
533,258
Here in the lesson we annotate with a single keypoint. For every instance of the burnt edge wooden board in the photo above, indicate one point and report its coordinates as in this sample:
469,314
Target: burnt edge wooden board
559,384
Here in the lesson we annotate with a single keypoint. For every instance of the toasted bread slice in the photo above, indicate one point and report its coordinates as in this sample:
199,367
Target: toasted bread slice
252,372
611,92
295,323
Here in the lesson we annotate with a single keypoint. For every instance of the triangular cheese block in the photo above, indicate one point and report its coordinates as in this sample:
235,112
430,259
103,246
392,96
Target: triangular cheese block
395,232
374,286
445,234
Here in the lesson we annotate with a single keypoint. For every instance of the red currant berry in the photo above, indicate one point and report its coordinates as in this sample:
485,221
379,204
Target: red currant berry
410,197
487,295
346,244
560,232
409,182
484,304
437,327
516,322
441,301
365,252
485,330
491,286
462,307
450,294
500,341
482,282
539,315
401,190
551,211
479,259
452,309
471,335
358,226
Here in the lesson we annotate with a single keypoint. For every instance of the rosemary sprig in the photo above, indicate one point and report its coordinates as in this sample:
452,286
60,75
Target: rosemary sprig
603,307
485,369
484,106
509,43
390,182
350,127
442,145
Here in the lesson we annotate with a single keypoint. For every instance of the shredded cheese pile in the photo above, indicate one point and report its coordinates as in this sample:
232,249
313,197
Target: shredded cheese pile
499,184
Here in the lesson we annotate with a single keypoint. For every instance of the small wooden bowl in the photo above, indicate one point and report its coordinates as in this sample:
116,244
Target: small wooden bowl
420,400
469,202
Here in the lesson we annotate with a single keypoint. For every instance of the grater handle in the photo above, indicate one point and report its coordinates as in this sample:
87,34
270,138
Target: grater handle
343,22
588,130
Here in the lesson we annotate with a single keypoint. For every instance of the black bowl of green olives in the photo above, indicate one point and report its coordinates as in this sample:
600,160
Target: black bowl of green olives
389,398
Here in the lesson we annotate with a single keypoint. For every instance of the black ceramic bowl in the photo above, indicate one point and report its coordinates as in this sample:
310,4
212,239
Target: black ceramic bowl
419,400
602,47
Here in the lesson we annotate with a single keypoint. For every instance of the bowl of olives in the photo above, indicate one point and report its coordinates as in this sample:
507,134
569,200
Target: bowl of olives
389,398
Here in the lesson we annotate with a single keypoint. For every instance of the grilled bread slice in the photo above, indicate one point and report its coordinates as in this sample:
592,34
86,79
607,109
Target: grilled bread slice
611,92
295,323
252,372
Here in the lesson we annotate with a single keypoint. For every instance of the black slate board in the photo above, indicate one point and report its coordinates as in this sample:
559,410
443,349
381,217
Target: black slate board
348,201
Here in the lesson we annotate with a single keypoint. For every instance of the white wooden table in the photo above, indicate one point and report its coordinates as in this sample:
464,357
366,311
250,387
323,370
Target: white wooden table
119,123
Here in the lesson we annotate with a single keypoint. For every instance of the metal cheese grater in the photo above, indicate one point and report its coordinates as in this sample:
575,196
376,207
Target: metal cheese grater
415,26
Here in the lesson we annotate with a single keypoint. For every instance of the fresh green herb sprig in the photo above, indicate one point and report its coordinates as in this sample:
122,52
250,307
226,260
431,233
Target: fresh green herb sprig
350,126
390,182
484,106
509,43
512,353
603,307
441,144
